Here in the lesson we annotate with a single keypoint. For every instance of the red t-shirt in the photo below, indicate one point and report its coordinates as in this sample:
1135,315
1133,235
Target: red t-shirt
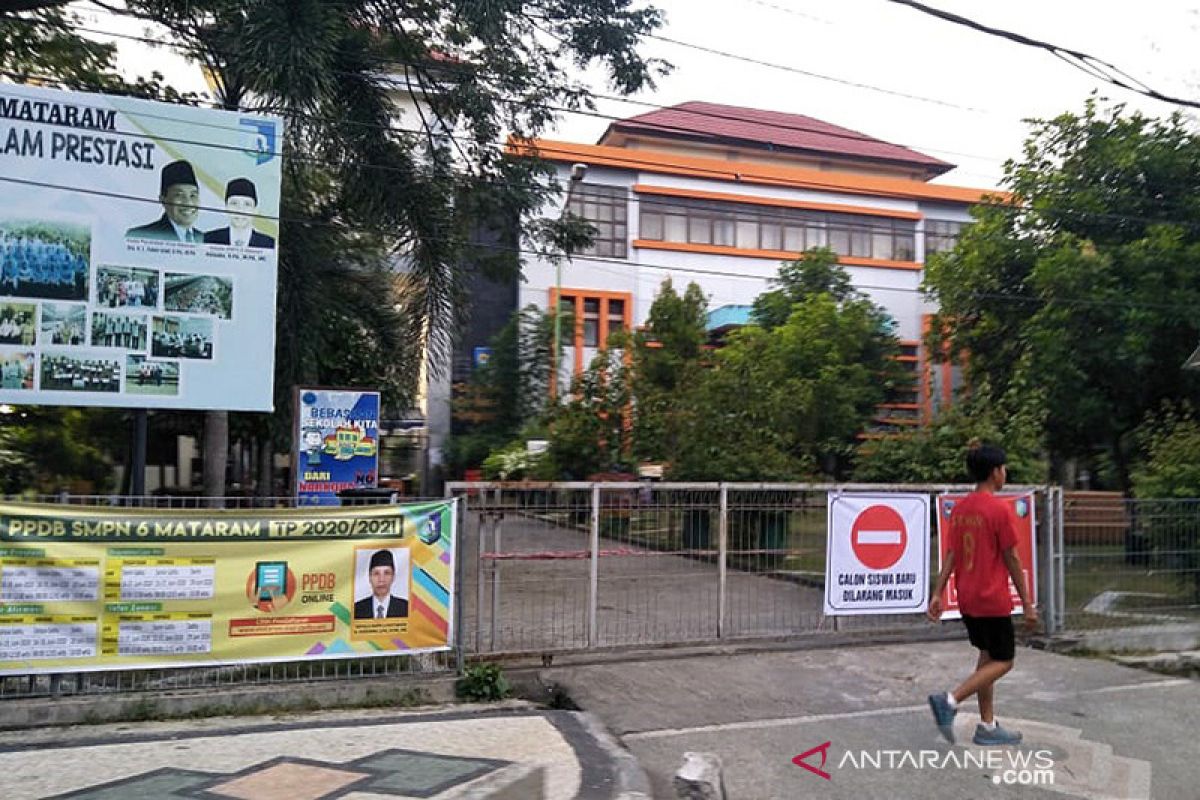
981,529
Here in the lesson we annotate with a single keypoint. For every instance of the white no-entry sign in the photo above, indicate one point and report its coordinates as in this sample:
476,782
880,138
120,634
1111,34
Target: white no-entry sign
877,554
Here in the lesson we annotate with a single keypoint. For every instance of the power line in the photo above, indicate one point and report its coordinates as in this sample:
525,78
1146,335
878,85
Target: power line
761,212
471,73
1085,62
734,56
792,11
631,163
797,71
1005,296
646,201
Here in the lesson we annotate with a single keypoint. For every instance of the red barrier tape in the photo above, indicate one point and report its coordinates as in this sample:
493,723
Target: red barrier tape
567,555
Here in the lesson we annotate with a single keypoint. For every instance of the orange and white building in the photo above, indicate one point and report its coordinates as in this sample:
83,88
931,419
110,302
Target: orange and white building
719,196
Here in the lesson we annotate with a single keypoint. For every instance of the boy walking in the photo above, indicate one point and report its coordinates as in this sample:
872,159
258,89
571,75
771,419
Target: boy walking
982,555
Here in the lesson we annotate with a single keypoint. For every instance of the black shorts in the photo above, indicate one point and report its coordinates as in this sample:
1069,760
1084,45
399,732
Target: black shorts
993,635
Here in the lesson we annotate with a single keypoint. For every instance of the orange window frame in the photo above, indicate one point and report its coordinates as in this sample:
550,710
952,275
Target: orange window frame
577,298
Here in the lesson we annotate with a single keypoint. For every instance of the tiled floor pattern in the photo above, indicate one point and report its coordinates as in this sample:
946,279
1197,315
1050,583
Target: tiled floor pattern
405,760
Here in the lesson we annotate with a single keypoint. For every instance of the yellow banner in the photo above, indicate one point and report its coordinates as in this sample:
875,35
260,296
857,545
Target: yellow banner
93,589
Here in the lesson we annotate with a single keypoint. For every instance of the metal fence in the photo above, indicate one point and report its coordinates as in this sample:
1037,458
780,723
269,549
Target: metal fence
574,566
557,567
198,502
225,676
1130,562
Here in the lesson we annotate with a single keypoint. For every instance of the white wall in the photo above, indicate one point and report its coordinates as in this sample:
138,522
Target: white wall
725,279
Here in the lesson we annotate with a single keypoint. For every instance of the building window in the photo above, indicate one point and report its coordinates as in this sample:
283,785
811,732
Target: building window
591,322
769,228
616,315
941,235
606,209
596,314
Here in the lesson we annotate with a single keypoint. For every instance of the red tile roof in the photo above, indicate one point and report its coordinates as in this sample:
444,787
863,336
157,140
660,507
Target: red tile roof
771,129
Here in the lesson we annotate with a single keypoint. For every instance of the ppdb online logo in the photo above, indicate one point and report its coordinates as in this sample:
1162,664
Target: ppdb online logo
259,139
1008,767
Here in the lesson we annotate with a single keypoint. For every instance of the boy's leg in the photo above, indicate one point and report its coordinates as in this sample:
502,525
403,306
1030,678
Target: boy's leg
980,681
985,693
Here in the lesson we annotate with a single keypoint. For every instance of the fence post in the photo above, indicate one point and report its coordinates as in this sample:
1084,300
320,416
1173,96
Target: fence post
722,560
1049,592
480,572
460,571
593,566
497,524
1060,551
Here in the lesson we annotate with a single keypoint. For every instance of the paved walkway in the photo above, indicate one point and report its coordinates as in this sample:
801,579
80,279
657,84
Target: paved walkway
356,756
830,723
1092,729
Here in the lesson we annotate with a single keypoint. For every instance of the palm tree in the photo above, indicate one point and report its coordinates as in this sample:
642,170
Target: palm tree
370,194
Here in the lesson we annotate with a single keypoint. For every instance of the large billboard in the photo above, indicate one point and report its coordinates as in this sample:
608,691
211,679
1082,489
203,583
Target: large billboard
93,589
138,246
337,443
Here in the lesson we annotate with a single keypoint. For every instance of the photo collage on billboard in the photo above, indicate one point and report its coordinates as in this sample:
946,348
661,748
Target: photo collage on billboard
150,281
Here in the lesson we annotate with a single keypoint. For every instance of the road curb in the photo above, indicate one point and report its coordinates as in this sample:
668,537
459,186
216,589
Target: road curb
631,781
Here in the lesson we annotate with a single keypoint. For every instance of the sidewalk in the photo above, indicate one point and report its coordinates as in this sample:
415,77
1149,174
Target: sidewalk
853,713
1109,731
500,750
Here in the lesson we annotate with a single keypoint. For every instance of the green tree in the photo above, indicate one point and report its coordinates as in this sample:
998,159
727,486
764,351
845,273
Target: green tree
936,453
1087,286
368,196
1170,440
506,398
666,363
816,272
47,450
788,398
1167,485
590,431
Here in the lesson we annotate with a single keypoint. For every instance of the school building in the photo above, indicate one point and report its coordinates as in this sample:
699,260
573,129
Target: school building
719,196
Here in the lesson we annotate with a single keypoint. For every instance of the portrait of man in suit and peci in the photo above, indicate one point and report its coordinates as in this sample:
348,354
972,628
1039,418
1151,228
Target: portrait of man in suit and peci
382,576
241,201
179,193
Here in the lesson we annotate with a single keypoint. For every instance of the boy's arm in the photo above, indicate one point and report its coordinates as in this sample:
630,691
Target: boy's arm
935,603
1013,561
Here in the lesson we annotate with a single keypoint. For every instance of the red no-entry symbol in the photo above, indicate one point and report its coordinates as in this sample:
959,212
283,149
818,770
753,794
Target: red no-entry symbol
879,537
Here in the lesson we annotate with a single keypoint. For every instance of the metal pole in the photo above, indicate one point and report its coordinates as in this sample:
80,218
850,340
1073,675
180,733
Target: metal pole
722,561
1061,552
594,564
480,571
140,427
457,544
1047,594
557,327
495,579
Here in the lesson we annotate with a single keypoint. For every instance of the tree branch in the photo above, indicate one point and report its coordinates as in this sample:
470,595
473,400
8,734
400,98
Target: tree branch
17,6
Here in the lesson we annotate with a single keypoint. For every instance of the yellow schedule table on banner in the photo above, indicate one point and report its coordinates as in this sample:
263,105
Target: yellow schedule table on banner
93,589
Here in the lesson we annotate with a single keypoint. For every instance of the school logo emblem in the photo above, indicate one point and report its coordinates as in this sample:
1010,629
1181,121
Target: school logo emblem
259,139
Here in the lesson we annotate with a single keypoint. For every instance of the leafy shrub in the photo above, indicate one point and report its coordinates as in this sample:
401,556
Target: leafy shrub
482,682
